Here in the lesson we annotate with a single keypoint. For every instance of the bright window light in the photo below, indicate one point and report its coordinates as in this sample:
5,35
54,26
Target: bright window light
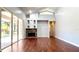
6,13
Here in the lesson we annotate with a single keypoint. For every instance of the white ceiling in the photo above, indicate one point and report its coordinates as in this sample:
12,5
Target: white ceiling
22,11
16,11
38,9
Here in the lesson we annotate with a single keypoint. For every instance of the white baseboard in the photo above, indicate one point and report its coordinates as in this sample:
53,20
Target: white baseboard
68,41
44,36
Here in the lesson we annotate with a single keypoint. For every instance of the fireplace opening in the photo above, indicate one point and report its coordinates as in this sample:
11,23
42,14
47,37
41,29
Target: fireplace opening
31,34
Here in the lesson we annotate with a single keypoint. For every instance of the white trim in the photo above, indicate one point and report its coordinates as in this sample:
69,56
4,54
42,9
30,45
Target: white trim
68,41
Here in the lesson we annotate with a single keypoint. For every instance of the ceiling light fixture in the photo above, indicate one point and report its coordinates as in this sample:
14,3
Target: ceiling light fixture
30,11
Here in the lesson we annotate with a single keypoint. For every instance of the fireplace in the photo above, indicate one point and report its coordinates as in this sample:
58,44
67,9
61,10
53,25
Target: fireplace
31,32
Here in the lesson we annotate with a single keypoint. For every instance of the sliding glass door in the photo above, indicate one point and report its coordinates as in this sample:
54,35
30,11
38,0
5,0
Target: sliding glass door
11,28
14,28
5,28
20,29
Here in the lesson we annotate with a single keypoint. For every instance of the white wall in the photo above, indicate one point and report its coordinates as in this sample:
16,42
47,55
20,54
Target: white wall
67,24
24,28
42,29
45,17
36,16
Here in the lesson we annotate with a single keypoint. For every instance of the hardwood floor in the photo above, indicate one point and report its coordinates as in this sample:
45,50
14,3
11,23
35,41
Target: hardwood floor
41,45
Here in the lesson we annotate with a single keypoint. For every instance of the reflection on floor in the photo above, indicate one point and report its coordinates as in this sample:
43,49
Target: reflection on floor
41,45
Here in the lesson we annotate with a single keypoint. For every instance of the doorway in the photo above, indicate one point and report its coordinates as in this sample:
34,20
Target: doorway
52,28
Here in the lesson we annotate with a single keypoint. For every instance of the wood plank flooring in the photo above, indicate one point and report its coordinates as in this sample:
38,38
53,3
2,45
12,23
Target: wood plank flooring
41,45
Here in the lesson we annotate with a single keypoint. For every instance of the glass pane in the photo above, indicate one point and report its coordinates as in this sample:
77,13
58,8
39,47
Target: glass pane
20,29
5,28
14,28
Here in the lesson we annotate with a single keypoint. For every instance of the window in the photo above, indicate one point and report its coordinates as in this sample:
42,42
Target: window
5,28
